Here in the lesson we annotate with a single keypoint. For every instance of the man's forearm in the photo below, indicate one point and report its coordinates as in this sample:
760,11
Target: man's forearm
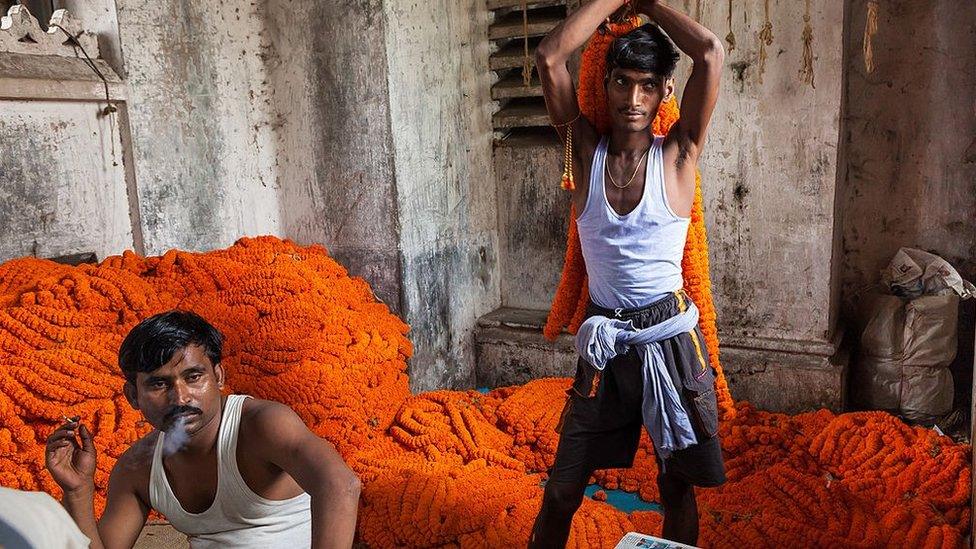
334,517
572,33
81,507
692,38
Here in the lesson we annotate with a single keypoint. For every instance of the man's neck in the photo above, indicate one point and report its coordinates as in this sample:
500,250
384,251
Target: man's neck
629,144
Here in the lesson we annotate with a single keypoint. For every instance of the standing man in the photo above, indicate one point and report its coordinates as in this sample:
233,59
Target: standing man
227,471
633,196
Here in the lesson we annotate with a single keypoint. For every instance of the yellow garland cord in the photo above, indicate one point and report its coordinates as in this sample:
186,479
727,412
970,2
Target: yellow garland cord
567,182
807,70
443,468
730,37
765,39
870,29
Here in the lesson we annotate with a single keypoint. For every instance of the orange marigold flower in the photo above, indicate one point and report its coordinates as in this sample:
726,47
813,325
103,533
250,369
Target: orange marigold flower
444,468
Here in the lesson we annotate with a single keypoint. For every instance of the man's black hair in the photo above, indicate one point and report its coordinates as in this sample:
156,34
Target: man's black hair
155,340
645,49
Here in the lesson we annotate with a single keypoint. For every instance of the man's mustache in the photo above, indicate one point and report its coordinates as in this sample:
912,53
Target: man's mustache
178,410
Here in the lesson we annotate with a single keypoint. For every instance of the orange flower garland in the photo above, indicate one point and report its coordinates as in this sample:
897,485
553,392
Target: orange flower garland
569,303
445,468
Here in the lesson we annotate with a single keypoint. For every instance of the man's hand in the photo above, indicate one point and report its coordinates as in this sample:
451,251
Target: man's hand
629,9
72,465
622,13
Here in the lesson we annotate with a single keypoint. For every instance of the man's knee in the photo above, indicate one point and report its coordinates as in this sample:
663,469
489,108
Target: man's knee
563,497
674,489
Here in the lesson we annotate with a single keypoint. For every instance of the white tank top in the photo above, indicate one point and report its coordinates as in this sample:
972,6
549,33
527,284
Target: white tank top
635,259
238,517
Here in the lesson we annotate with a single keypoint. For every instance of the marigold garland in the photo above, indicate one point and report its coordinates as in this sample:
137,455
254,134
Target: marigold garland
569,303
445,468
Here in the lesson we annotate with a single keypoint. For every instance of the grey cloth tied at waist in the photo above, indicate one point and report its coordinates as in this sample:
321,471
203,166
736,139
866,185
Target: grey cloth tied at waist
599,339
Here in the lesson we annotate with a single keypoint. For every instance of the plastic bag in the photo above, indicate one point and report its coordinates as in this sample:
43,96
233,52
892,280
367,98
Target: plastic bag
913,273
905,351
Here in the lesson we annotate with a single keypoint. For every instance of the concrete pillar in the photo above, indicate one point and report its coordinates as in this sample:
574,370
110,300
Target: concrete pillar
437,55
383,153
334,145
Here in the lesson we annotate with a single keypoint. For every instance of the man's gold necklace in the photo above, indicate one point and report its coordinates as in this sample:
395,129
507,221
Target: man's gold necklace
606,167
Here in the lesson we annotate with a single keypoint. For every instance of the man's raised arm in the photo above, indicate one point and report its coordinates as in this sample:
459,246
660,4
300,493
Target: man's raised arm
701,91
557,84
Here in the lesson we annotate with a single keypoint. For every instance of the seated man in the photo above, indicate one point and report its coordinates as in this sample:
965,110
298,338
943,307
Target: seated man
227,471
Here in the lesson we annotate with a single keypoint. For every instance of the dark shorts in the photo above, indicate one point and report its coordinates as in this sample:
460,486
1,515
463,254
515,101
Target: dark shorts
602,420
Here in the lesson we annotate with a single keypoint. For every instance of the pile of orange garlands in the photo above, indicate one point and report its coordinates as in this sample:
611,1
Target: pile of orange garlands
446,468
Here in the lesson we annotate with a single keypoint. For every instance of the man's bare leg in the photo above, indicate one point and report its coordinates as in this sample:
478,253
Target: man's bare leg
680,510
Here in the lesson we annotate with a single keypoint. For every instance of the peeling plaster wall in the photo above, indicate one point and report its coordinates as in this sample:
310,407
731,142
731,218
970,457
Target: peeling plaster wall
533,219
202,133
769,171
101,18
911,139
437,54
334,146
62,188
275,117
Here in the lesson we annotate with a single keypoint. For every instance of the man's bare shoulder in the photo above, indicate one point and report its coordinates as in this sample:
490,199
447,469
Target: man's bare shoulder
133,468
265,416
267,426
256,407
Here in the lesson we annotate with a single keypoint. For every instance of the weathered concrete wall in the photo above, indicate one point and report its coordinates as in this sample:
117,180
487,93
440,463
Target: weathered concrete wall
437,54
533,214
202,134
334,145
101,18
275,117
911,139
62,188
769,171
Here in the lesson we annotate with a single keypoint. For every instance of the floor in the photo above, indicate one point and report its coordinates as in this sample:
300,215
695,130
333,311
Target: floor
161,536
164,536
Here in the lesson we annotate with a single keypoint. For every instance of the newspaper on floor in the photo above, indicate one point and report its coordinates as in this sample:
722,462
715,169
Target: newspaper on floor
635,540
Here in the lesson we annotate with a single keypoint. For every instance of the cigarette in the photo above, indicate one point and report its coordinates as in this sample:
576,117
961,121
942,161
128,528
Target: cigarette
69,419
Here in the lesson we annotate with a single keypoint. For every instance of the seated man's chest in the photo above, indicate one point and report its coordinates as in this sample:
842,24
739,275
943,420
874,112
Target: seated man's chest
194,481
